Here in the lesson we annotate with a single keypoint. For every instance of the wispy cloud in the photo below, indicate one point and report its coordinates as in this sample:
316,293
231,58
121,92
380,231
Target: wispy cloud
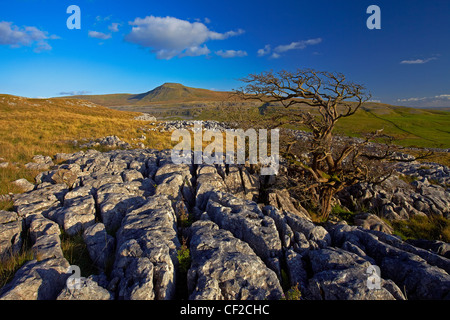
441,100
99,35
264,51
73,93
114,27
231,53
418,61
278,50
16,37
169,37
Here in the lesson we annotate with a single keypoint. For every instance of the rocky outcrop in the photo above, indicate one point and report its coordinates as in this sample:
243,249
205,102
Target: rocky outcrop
226,268
11,226
134,209
147,243
415,189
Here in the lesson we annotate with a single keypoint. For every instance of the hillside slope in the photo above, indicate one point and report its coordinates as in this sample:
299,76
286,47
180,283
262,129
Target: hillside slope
30,127
168,92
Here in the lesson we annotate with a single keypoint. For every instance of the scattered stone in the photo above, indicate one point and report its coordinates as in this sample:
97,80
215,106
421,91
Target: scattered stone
145,117
372,222
24,184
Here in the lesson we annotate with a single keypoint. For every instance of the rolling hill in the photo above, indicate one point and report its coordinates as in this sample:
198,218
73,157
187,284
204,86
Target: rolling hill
167,93
409,126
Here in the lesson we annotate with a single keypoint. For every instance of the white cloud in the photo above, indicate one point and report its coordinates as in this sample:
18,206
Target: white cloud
418,61
297,45
443,96
276,52
99,35
265,51
74,93
231,53
169,37
114,27
275,55
442,100
195,51
17,37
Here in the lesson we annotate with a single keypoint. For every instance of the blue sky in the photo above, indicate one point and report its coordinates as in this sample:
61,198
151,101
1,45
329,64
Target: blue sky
133,46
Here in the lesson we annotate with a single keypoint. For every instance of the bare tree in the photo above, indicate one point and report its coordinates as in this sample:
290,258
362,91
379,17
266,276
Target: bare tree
331,166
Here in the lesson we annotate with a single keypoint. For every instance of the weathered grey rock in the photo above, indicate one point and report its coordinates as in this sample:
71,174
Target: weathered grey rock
145,117
11,226
284,230
40,163
131,175
146,257
47,246
114,200
100,245
208,181
37,280
24,184
43,197
226,268
396,199
372,222
98,180
281,199
296,270
175,181
89,290
420,279
232,178
247,222
318,234
251,185
436,246
348,284
78,213
38,226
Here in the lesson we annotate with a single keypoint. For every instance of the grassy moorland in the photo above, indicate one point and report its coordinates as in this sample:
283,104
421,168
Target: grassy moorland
409,126
48,126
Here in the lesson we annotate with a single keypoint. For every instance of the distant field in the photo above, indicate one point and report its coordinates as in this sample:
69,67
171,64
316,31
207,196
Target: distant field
409,126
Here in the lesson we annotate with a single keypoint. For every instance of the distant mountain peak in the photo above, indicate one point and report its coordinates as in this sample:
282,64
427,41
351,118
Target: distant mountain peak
172,85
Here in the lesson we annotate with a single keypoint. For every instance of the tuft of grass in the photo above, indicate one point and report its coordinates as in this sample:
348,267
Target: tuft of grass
75,251
420,227
12,262
343,214
9,265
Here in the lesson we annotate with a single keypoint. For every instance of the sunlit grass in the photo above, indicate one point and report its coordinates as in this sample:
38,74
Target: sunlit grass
48,126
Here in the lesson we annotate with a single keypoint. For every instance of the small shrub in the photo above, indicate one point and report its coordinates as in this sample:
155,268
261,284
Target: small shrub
293,293
184,257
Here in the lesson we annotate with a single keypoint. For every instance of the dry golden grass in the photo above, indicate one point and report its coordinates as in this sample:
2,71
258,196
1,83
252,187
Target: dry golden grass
48,126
